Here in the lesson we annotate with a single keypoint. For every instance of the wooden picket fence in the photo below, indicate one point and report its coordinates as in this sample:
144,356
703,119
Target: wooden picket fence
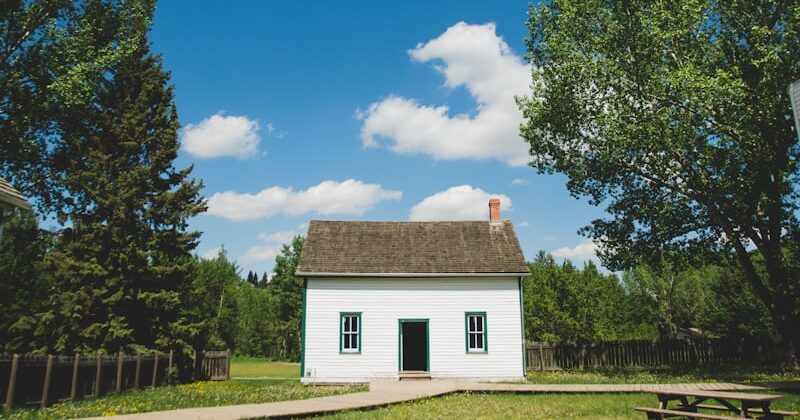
216,365
611,354
42,380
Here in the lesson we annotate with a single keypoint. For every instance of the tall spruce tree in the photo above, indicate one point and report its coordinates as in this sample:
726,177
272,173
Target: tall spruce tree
124,266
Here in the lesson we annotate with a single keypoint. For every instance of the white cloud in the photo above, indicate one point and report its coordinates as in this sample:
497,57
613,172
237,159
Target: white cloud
463,202
261,253
211,253
282,237
328,197
523,224
267,252
584,251
223,135
520,181
475,57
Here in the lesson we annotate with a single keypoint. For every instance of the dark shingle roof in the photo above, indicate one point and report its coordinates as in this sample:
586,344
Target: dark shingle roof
11,196
411,247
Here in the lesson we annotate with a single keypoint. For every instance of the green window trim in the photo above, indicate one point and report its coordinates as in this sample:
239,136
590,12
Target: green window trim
358,331
484,332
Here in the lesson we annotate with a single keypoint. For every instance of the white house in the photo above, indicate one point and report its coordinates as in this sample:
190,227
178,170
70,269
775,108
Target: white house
412,299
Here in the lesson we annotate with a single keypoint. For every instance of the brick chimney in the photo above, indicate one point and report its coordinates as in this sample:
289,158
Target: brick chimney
494,210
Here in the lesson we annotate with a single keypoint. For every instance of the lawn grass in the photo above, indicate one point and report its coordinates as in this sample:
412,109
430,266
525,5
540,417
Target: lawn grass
198,394
527,406
255,367
633,375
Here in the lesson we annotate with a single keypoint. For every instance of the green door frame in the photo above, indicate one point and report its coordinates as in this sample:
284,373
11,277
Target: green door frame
400,341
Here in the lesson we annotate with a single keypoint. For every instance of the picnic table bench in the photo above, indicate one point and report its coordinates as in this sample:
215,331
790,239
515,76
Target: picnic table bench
742,404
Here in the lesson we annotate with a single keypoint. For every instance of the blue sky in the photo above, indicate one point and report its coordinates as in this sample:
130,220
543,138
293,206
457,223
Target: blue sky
356,110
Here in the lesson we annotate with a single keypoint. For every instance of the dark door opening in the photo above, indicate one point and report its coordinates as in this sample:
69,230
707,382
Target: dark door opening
414,345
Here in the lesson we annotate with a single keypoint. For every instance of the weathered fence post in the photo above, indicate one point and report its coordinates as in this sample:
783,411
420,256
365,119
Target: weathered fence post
12,381
196,365
48,372
229,364
97,375
138,370
73,389
155,369
169,368
119,372
541,357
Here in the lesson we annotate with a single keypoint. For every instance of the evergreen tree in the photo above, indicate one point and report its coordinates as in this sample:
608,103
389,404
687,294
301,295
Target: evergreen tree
286,300
264,281
24,281
122,269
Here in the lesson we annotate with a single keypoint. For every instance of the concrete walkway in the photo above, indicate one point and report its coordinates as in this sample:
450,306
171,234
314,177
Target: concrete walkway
385,392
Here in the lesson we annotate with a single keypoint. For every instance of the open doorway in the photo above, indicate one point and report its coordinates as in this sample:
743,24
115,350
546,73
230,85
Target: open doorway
414,351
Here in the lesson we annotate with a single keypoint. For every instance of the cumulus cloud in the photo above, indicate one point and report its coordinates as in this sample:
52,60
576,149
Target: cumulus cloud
351,197
211,253
520,181
523,224
584,251
223,135
269,250
463,202
261,253
282,237
472,56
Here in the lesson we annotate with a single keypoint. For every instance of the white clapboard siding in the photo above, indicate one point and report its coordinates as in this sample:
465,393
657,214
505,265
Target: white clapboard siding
383,301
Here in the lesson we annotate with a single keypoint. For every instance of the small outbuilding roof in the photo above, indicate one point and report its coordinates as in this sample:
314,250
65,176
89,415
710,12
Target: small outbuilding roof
9,195
408,249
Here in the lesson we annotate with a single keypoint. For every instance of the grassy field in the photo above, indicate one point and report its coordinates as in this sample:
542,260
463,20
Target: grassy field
265,381
574,406
256,367
662,375
199,394
521,406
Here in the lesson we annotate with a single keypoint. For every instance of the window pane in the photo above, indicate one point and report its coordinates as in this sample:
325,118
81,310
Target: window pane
354,341
479,340
471,341
479,323
354,324
346,342
472,323
346,324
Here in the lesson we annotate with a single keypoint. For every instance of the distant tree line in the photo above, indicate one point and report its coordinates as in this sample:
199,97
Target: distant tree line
567,303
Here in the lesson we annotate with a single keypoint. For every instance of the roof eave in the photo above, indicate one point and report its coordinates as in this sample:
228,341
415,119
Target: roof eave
315,274
14,201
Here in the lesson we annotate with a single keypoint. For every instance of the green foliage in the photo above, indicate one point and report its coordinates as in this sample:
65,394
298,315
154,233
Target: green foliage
671,299
676,116
564,303
123,267
23,279
286,300
53,52
211,302
256,319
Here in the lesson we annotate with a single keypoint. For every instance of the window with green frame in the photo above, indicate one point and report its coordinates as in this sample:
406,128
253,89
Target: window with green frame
350,332
476,332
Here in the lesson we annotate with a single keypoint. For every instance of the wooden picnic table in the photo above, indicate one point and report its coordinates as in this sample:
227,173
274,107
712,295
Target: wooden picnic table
742,404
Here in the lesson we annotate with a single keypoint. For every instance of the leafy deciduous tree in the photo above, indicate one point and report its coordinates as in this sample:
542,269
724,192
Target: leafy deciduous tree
676,115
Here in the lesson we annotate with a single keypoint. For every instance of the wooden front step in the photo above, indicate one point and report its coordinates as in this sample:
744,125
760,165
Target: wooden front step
415,375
